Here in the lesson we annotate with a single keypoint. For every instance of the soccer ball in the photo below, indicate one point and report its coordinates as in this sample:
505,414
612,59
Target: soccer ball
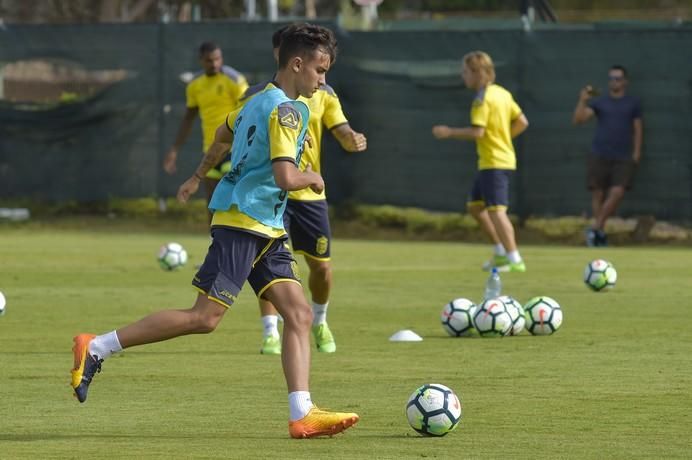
516,311
543,315
457,316
2,304
600,274
492,318
433,410
172,256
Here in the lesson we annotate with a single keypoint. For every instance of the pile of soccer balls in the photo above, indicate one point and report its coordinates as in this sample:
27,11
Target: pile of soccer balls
501,317
506,316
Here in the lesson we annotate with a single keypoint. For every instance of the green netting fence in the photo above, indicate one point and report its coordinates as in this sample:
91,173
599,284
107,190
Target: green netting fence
394,85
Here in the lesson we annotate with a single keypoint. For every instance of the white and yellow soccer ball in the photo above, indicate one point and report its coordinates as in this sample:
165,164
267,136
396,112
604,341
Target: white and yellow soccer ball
516,311
492,319
543,316
457,317
600,275
172,256
3,303
433,410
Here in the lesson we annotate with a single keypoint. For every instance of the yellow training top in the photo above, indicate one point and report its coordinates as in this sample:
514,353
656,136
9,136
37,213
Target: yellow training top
325,111
494,109
282,144
214,96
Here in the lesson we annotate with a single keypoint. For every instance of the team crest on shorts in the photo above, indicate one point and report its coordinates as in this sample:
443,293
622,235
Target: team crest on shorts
322,245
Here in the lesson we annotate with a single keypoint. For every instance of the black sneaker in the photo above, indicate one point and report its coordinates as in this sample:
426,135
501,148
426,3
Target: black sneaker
601,238
85,366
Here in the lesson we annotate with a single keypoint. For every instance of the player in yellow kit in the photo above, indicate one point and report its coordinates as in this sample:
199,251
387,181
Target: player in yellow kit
495,120
212,94
306,218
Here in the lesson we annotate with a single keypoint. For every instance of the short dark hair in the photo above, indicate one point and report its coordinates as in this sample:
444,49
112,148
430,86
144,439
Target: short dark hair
276,36
302,39
207,47
620,68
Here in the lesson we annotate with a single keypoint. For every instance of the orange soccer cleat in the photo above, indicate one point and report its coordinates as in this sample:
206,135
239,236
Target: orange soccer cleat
85,366
319,422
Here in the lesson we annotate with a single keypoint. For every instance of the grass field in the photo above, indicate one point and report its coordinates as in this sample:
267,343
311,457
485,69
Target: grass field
614,382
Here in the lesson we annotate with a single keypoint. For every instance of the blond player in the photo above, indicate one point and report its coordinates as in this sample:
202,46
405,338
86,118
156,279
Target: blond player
496,119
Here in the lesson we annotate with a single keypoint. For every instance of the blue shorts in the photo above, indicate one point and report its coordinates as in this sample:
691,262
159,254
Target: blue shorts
491,189
307,222
236,256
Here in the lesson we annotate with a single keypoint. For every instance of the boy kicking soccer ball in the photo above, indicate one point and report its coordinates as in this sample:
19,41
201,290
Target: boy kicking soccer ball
248,238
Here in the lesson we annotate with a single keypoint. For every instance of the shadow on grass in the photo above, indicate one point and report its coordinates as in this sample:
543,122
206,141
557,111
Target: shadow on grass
476,337
61,436
33,437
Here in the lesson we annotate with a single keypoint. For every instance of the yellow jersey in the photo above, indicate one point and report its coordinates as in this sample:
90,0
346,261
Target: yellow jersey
325,111
214,96
283,138
494,109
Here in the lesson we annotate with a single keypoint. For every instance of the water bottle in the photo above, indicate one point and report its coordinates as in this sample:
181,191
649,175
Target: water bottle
493,287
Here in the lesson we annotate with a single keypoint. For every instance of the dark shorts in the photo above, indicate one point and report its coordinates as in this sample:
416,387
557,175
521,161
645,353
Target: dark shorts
307,222
491,188
236,256
603,173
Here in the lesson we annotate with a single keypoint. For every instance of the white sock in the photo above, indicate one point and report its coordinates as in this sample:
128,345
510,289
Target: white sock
102,346
270,325
319,311
500,250
299,403
514,257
